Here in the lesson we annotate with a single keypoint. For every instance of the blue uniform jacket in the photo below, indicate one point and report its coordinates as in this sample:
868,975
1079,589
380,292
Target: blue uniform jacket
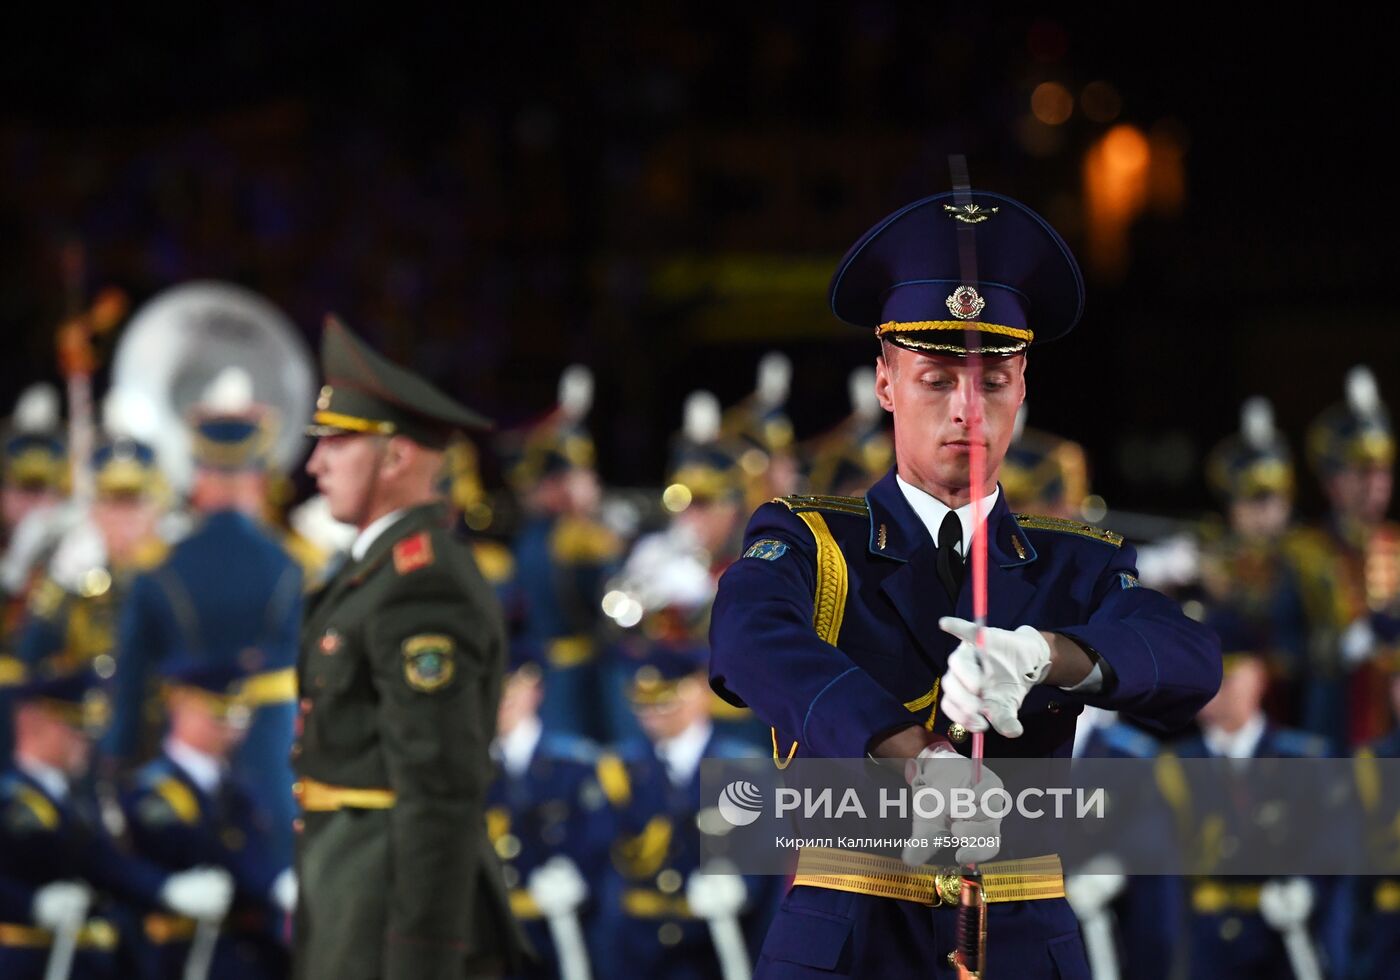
175,824
832,700
44,839
1233,941
228,593
647,928
554,808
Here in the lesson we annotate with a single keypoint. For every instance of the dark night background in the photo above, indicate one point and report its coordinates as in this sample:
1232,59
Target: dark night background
662,194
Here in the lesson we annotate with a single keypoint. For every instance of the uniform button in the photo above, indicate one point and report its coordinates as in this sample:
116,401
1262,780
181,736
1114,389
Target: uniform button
510,876
669,881
669,934
1230,929
957,733
953,958
305,706
1053,707
298,825
296,751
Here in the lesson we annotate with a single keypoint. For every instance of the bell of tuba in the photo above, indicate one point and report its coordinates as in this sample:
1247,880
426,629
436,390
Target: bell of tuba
181,339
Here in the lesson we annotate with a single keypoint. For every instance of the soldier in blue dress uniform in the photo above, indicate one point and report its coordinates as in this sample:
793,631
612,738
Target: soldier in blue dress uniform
1045,473
1146,909
545,806
1230,933
228,594
50,833
185,809
563,555
653,785
833,626
1243,563
1348,568
1378,898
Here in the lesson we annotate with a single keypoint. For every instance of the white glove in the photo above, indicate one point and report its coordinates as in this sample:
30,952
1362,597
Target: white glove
714,894
1285,903
939,767
1013,661
1090,891
1358,642
557,887
60,904
200,893
284,891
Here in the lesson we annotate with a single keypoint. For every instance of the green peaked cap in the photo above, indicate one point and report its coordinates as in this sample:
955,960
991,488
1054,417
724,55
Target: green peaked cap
366,393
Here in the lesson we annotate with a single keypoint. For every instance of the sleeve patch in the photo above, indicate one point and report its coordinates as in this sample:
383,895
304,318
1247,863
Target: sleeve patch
769,549
413,553
428,661
1128,581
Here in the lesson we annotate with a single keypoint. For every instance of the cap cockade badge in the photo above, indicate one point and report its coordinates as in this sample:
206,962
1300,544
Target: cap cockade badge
965,304
969,214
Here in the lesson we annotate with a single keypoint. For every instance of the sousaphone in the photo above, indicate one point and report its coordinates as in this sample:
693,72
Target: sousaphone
176,344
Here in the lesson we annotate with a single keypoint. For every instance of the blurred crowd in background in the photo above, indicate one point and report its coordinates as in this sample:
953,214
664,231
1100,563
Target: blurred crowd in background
615,237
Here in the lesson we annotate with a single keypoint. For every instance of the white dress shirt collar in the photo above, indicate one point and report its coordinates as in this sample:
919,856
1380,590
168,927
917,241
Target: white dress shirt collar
931,510
1239,744
682,754
205,770
50,780
371,534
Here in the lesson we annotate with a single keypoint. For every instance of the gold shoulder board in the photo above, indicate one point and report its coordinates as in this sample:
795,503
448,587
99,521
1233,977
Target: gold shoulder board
799,502
1034,522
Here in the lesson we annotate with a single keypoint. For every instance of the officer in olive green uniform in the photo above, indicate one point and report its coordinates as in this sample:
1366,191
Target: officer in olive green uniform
400,674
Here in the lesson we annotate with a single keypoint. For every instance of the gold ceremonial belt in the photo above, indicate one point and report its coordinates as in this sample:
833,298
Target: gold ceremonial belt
1209,897
270,687
97,934
1018,880
647,903
161,928
317,797
523,906
1387,895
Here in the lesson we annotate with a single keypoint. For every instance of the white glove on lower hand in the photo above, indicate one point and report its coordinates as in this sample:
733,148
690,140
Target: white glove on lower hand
713,894
939,767
1358,642
284,891
557,886
200,893
1100,882
62,904
1286,903
1012,662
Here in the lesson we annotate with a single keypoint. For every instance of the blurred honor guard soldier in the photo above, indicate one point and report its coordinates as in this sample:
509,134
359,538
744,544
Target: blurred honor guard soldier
760,425
852,456
227,595
1239,924
53,847
74,611
549,821
35,467
185,809
1378,946
656,906
89,560
1044,474
1242,565
1348,568
400,675
837,623
563,555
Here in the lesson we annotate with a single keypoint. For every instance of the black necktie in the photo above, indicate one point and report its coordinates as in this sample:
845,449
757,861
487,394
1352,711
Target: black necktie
950,562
